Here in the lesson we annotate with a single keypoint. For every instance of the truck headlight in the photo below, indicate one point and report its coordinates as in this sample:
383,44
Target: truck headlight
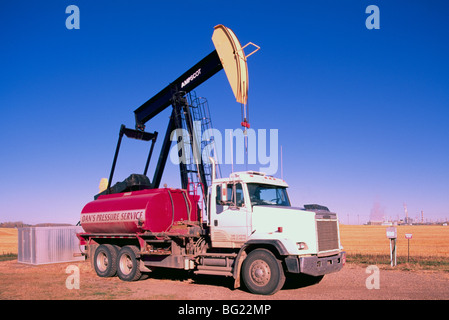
302,245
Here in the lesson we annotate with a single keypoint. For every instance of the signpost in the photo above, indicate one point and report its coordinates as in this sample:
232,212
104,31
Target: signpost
408,236
392,234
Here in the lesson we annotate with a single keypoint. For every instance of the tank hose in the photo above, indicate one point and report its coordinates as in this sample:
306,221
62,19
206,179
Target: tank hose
172,210
187,201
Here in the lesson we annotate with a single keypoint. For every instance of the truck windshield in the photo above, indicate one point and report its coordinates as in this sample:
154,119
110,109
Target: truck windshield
265,194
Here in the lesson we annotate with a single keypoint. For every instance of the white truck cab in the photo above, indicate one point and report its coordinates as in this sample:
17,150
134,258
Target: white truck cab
252,211
237,205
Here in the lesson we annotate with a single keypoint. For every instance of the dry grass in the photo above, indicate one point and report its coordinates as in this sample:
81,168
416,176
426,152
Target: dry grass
8,241
427,241
363,240
367,245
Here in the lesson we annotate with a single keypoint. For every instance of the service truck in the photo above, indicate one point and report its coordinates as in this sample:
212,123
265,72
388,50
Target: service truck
242,226
251,233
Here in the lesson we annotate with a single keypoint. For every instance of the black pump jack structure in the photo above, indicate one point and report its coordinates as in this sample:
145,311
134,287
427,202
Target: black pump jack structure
175,95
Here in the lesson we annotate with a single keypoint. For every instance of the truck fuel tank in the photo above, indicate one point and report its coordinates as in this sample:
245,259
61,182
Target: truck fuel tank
154,210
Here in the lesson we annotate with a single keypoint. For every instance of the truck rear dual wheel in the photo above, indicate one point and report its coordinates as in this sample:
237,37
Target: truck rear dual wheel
105,260
110,260
128,268
262,272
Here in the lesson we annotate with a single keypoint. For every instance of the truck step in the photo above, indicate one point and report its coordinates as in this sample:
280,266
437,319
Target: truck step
213,270
214,273
218,268
221,255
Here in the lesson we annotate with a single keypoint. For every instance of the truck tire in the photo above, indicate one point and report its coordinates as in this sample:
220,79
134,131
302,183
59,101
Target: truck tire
128,268
262,272
105,260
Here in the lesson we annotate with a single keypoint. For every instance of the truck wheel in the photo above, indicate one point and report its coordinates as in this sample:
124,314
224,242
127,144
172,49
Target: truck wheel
105,260
262,273
128,268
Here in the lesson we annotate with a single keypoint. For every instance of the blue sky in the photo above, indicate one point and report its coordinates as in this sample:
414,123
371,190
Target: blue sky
362,114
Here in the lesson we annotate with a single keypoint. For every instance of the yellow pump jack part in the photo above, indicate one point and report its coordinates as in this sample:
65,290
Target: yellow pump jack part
233,59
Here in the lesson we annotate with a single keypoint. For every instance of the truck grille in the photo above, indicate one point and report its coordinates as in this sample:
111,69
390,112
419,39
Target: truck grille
327,235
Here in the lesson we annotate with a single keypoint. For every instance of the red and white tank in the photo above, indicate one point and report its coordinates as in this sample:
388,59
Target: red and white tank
154,210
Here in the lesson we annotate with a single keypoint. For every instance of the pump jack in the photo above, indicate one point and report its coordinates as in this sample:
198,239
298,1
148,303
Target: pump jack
248,230
186,108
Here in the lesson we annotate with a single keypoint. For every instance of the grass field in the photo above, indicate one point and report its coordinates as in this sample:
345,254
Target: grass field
372,240
430,243
8,241
369,245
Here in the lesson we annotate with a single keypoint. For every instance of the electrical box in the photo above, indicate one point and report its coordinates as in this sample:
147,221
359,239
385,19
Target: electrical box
44,245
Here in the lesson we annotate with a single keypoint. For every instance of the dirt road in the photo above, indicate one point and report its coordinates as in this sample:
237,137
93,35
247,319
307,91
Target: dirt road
20,281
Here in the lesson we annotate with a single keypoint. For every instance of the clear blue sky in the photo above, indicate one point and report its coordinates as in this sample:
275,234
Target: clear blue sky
362,114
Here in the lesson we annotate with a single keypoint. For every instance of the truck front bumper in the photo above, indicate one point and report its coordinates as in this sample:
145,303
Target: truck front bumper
314,265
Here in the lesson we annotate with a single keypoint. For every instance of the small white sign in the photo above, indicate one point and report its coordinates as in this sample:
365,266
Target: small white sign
408,236
391,233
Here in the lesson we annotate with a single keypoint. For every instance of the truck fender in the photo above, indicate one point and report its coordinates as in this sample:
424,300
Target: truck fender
273,245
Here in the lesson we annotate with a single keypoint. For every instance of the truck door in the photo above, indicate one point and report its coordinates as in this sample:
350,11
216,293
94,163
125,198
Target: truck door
230,225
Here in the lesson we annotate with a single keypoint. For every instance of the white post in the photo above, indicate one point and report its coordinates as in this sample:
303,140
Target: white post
391,252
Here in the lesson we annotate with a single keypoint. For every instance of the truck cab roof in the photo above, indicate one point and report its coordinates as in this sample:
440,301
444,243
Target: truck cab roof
252,177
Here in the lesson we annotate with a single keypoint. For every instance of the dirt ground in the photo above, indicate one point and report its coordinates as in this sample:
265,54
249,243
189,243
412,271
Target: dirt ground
27,282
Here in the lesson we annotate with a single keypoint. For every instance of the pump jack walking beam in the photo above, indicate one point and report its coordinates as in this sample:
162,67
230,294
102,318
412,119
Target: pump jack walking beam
192,78
229,55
